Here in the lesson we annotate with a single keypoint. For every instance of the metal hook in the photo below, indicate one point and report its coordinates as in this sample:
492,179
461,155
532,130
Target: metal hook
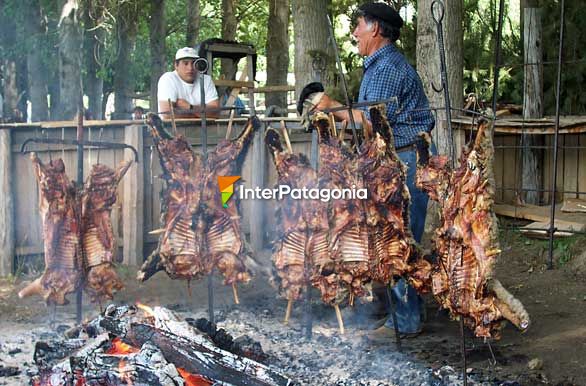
437,89
437,19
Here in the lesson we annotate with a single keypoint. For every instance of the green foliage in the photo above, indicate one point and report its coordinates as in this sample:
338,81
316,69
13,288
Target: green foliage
479,24
573,96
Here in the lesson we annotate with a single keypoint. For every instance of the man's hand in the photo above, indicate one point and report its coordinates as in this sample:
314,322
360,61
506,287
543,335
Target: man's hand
307,92
182,104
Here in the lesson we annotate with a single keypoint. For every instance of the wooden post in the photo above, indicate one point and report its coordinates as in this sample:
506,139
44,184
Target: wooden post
133,200
532,164
6,205
258,172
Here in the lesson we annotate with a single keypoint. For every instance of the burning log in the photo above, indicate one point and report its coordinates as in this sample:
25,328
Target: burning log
184,346
467,244
60,214
126,347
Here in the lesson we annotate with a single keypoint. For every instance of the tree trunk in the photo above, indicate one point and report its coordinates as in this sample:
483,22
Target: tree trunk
126,29
428,64
532,159
37,81
94,35
311,38
277,51
157,42
70,44
229,28
10,91
9,66
193,22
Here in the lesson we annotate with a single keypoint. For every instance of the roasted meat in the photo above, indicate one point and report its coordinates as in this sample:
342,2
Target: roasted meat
349,240
467,244
387,208
98,241
60,215
225,243
199,232
180,251
290,248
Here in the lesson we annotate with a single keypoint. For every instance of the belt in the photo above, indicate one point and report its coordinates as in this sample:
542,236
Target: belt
403,149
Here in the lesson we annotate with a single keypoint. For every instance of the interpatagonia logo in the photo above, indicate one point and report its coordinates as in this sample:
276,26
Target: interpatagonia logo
226,186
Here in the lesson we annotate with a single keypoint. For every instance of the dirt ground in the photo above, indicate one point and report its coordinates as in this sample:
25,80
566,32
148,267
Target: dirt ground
555,344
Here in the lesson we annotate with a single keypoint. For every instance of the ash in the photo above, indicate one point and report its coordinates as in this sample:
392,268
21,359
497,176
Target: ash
333,359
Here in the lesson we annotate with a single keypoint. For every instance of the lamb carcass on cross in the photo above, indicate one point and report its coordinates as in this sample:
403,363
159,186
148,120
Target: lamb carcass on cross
467,243
302,237
180,250
199,234
349,239
395,253
60,215
224,240
98,241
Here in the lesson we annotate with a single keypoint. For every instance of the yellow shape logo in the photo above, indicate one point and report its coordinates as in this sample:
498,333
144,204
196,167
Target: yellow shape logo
226,185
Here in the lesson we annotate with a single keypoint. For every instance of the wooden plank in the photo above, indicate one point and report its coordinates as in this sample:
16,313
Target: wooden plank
516,125
547,170
511,175
537,213
233,83
133,201
570,166
498,168
582,166
574,205
6,206
563,229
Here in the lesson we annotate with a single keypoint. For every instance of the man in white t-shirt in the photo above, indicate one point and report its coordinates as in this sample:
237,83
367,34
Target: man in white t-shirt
182,87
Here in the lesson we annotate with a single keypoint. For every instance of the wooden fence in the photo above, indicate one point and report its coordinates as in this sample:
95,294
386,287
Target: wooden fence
137,211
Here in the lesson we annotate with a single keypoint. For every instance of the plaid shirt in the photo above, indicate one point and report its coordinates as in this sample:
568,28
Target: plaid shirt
387,74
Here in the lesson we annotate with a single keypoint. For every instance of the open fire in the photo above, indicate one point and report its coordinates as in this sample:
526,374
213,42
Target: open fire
124,346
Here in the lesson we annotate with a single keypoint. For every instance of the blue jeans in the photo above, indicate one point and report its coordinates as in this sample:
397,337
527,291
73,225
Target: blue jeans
407,302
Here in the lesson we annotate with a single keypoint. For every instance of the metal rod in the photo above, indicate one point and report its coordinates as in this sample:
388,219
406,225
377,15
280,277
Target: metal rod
555,138
563,147
366,104
393,309
204,150
444,74
110,145
307,312
79,297
344,85
497,58
463,350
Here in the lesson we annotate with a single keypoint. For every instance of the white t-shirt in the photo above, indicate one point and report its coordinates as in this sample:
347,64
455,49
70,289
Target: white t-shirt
171,86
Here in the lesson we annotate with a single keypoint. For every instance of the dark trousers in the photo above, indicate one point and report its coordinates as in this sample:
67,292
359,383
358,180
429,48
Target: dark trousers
407,302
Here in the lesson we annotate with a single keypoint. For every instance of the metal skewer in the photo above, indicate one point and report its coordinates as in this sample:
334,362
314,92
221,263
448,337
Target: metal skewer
344,85
201,69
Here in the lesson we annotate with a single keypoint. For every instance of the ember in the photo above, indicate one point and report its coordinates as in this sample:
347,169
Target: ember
193,380
122,347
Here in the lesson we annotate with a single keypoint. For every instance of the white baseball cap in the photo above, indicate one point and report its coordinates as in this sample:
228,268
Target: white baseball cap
186,52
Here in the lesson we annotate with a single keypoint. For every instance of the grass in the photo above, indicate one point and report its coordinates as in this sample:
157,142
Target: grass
564,248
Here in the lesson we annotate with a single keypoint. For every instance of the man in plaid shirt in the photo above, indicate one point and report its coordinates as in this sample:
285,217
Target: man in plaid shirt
387,74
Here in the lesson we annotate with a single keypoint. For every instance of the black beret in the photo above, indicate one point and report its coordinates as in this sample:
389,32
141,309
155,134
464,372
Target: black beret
382,11
309,89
